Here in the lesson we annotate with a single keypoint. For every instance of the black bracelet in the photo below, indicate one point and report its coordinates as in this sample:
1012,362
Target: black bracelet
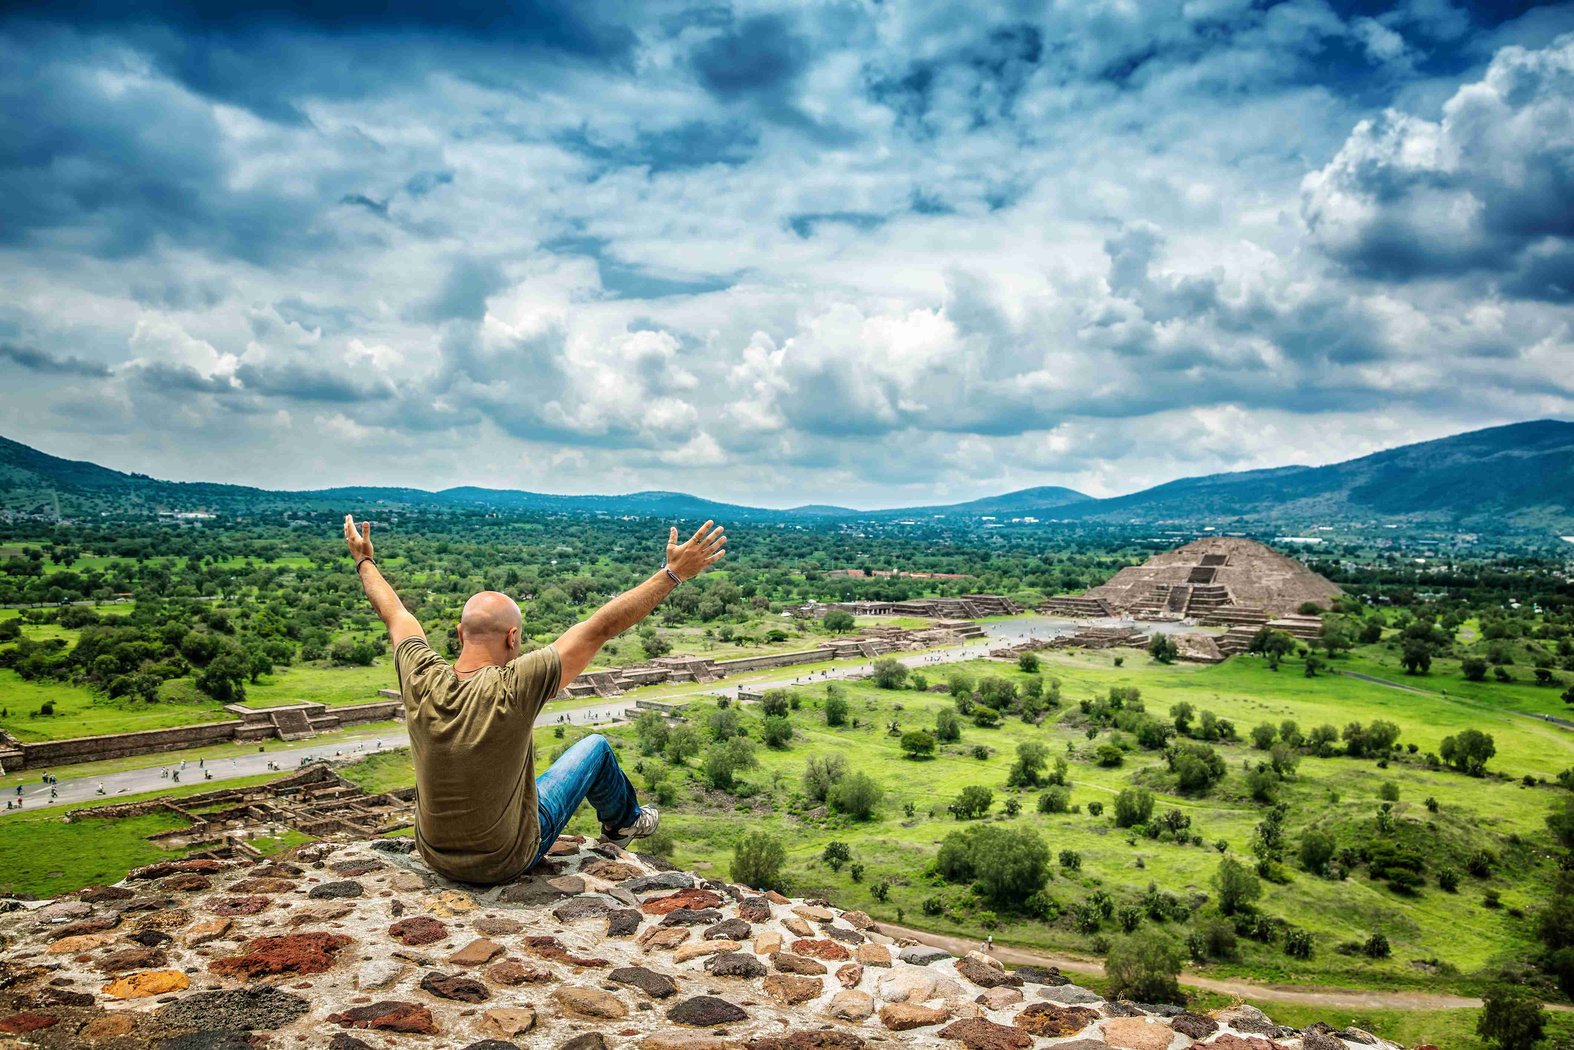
676,579
363,561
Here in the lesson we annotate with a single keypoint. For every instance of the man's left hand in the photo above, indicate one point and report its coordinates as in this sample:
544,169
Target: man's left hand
690,558
360,543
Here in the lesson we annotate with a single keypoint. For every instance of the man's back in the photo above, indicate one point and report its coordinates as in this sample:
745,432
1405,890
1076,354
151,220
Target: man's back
470,738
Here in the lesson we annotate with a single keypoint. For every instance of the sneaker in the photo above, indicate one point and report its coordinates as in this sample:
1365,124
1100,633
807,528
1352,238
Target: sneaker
644,826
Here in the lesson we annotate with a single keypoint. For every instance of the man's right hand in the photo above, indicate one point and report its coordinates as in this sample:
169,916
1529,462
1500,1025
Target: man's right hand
360,543
690,558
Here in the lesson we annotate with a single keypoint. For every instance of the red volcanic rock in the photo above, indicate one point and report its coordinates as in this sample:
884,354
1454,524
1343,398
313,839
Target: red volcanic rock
976,1033
249,905
551,949
174,867
291,953
695,899
388,1016
421,929
27,1021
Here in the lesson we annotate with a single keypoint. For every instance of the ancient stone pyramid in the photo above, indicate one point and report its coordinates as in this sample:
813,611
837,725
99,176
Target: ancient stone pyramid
359,945
1213,573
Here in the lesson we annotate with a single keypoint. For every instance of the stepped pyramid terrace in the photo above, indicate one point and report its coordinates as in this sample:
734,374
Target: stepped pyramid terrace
1220,581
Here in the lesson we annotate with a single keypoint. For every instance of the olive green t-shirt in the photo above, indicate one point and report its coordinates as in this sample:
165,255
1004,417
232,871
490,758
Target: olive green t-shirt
475,771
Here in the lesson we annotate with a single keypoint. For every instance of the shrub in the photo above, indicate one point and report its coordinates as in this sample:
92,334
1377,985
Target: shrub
1055,800
1095,809
1376,947
1028,662
889,673
835,706
948,727
918,743
1236,886
1006,865
1448,879
980,752
1468,751
1070,859
856,795
1134,805
1109,756
1317,849
985,717
1297,943
972,803
1388,791
757,861
1511,1019
1028,769
776,732
724,761
652,731
1144,967
836,854
821,774
1197,767
1213,938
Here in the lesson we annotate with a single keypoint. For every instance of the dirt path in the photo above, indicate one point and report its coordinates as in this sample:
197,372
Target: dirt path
1342,998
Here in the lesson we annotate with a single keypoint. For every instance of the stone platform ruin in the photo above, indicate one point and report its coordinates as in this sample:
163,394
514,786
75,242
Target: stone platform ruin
355,946
1222,580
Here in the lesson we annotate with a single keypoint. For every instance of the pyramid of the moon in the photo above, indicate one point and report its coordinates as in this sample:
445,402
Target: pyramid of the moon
1209,579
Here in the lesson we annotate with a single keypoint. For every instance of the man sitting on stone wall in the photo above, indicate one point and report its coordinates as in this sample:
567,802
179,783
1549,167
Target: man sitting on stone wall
482,815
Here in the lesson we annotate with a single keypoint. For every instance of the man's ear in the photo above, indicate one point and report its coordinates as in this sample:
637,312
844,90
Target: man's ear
513,638
459,633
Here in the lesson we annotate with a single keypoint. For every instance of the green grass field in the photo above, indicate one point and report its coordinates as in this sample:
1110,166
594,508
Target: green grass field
1340,794
42,855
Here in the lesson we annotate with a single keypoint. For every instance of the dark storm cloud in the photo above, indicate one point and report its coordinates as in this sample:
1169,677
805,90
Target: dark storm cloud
305,383
35,360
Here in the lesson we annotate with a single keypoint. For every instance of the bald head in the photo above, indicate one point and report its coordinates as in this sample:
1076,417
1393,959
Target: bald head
488,619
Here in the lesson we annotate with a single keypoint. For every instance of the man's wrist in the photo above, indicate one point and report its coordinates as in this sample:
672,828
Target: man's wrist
362,561
674,577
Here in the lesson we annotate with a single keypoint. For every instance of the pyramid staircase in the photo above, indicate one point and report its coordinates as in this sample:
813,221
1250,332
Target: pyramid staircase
291,723
1076,607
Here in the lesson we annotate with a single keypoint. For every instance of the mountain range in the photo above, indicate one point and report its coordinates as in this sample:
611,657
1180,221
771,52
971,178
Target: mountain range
1518,477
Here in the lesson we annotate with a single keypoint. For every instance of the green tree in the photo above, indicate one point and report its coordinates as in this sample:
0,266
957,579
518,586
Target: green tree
856,795
775,702
948,727
725,760
1028,770
1133,806
1236,886
1163,649
1006,865
1511,1019
972,803
889,673
1263,736
1183,713
776,731
724,724
683,743
1144,967
757,861
836,854
835,706
838,621
1474,668
821,774
652,731
1028,662
1468,751
918,743
1317,849
1416,657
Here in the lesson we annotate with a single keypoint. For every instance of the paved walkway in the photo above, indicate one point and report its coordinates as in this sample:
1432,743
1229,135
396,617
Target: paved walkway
280,756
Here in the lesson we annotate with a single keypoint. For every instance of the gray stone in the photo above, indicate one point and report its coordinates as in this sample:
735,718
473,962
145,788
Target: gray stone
576,908
691,917
344,888
728,930
588,1041
623,922
1070,995
400,845
735,964
1311,1039
922,954
377,973
242,1010
208,1041
455,986
1196,1026
703,1011
667,880
531,892
1049,975
844,935
656,985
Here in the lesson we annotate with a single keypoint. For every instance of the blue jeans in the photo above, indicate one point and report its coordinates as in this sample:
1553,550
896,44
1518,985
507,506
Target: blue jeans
588,770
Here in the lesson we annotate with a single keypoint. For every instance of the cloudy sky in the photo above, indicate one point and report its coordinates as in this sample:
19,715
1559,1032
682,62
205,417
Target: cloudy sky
855,252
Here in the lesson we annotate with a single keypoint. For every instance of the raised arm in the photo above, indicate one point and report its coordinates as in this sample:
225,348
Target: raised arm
390,609
579,644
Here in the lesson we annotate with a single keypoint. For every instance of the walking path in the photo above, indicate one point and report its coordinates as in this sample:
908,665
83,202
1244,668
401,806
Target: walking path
1341,998
277,756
